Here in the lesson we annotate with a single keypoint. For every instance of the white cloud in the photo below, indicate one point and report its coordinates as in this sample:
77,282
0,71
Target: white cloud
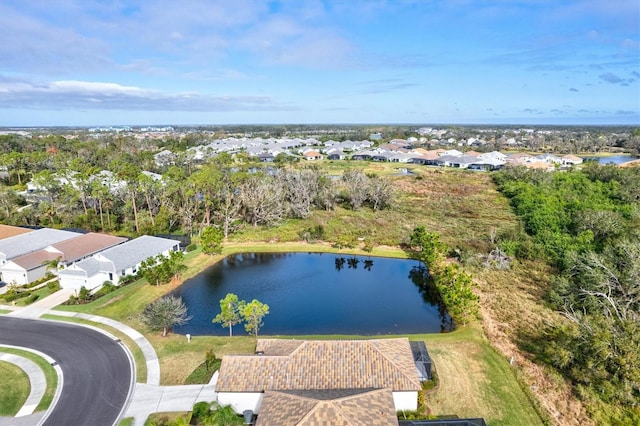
74,94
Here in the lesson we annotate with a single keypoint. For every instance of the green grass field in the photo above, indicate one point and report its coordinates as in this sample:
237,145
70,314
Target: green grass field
15,388
50,375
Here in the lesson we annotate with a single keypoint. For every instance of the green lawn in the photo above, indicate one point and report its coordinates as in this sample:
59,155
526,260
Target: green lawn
178,359
15,388
49,372
41,292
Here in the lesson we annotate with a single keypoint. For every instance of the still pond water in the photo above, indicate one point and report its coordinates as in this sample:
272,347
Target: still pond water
312,293
612,159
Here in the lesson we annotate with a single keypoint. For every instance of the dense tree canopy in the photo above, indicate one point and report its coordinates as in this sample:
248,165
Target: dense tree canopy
125,191
587,223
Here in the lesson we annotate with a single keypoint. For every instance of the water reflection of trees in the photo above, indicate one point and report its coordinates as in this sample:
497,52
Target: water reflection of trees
235,260
420,276
368,264
352,263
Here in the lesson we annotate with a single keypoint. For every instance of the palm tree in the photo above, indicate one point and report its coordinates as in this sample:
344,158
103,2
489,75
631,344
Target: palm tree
52,265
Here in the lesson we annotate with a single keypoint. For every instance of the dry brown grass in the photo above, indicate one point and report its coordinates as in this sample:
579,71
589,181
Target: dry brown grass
512,306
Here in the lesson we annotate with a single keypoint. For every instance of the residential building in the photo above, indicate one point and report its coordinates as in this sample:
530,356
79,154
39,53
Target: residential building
322,375
115,263
30,267
30,242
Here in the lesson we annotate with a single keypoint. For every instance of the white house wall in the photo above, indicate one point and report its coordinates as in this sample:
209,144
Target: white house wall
12,273
405,400
75,282
241,401
17,277
37,273
72,282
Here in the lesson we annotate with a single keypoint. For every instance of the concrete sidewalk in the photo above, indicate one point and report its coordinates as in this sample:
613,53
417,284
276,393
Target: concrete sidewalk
149,399
48,303
41,306
37,380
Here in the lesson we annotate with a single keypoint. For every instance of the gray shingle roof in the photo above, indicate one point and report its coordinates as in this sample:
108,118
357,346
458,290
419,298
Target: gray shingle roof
133,252
90,265
32,241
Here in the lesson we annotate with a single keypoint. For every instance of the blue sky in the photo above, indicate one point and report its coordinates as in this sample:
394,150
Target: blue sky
83,62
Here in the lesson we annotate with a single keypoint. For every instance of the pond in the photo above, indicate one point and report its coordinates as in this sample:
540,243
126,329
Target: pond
612,159
314,293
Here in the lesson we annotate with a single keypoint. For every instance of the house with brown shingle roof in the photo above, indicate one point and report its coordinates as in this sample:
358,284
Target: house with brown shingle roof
334,407
7,231
312,155
321,366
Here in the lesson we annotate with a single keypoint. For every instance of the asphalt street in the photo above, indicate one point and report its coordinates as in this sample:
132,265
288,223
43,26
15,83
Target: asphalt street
97,373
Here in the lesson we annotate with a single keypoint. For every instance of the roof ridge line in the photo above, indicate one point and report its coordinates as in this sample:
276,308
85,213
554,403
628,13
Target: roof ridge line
397,367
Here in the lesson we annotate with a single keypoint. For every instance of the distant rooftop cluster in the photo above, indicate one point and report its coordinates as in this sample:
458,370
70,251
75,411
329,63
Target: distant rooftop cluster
119,129
406,151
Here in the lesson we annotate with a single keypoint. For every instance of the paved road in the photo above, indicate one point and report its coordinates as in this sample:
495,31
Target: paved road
96,370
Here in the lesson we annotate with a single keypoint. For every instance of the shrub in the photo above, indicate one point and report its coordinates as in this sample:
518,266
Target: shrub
107,287
32,298
84,294
15,296
201,410
345,241
313,233
431,384
421,402
54,286
191,247
203,373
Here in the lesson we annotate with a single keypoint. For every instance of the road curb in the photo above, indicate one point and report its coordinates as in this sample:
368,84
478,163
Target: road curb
58,370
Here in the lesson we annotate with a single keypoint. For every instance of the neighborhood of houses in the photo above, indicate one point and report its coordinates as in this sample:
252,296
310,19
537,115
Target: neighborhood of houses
285,382
397,151
266,151
79,260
